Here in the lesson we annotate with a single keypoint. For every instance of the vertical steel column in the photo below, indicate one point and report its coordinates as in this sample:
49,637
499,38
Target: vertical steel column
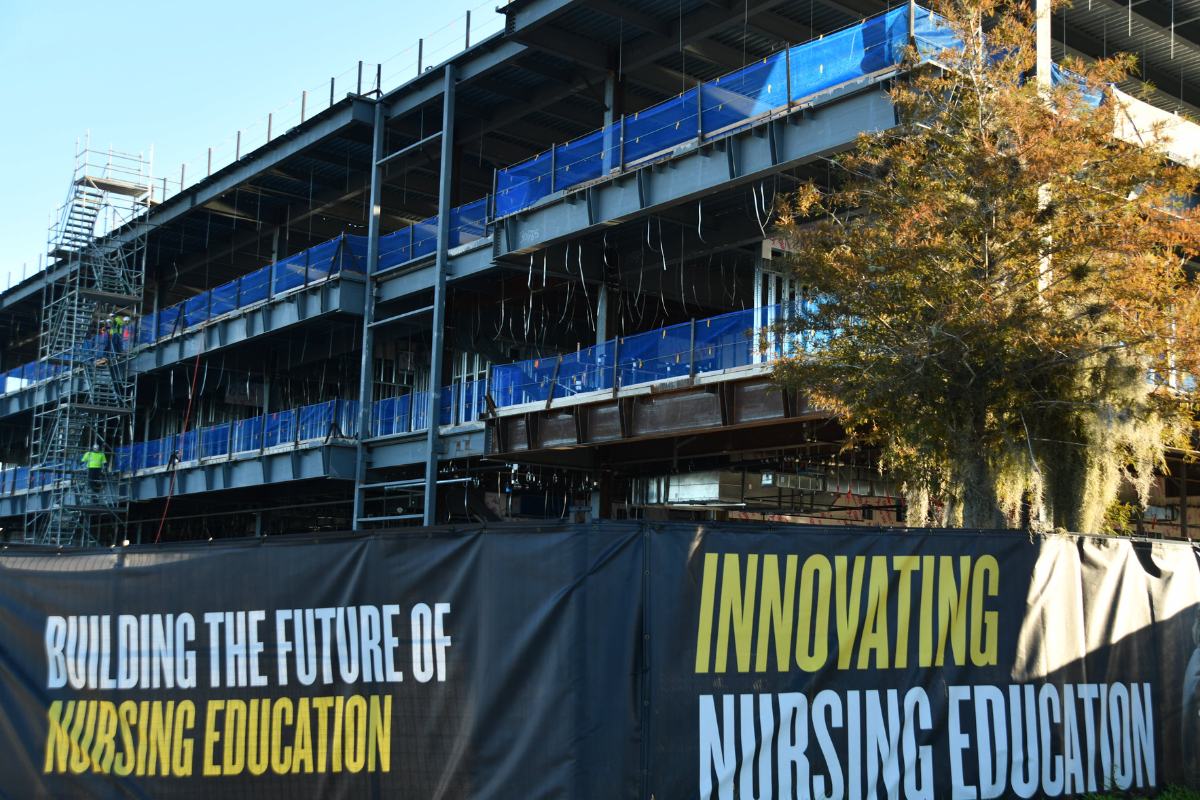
1043,42
602,313
1183,498
439,295
610,102
366,374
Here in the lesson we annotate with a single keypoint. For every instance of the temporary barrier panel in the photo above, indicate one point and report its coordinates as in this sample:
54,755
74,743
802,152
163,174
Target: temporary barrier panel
614,660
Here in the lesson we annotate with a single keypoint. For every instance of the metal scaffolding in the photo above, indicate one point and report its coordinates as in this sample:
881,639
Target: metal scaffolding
92,294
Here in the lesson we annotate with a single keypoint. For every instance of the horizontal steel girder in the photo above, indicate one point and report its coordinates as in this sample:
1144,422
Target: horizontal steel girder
715,403
333,461
751,155
834,121
342,296
462,441
31,397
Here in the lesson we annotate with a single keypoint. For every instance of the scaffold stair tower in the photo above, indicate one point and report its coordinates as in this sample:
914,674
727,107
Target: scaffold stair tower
93,293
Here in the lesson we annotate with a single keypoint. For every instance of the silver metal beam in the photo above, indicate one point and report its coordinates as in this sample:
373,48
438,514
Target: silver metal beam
836,120
366,375
747,157
412,148
439,292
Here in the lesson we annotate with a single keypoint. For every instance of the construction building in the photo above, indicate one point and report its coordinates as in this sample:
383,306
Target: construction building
557,243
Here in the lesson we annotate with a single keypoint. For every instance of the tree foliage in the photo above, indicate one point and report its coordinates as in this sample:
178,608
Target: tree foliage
997,288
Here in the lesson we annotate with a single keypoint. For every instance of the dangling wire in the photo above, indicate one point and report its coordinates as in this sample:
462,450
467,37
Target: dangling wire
500,326
757,217
587,300
662,250
566,303
700,220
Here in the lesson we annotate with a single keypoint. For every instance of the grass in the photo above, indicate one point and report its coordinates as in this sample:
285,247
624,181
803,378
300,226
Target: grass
1173,792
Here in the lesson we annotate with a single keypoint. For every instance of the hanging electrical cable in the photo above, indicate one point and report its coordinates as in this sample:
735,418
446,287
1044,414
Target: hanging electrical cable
586,297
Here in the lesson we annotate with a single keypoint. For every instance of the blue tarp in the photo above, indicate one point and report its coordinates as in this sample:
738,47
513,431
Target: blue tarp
579,161
661,128
424,237
468,223
723,342
522,185
255,287
195,310
395,248
744,95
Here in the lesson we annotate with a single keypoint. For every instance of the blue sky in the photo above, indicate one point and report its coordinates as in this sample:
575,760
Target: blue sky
183,77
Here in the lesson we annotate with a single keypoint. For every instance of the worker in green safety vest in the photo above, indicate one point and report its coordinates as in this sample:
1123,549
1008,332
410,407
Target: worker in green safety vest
120,326
95,461
115,326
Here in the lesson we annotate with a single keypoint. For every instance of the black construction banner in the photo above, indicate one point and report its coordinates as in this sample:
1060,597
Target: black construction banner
619,660
423,664
920,665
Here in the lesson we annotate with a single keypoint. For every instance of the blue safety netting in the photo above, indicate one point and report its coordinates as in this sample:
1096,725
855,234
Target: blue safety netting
539,379
424,237
459,403
321,421
655,356
391,415
579,161
395,248
933,35
724,342
522,185
722,106
661,128
418,419
255,287
711,109
469,400
224,299
847,55
170,322
246,434
1059,76
214,441
468,223
195,309
736,99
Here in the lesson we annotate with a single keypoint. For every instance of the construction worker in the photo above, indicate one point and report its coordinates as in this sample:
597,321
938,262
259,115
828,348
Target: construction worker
95,461
120,330
115,331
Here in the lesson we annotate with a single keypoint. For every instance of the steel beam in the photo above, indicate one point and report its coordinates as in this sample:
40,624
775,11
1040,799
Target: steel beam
39,394
332,461
367,373
439,292
342,296
752,155
459,441
837,119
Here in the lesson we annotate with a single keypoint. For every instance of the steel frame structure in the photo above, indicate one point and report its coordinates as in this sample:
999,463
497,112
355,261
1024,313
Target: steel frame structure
98,281
558,69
